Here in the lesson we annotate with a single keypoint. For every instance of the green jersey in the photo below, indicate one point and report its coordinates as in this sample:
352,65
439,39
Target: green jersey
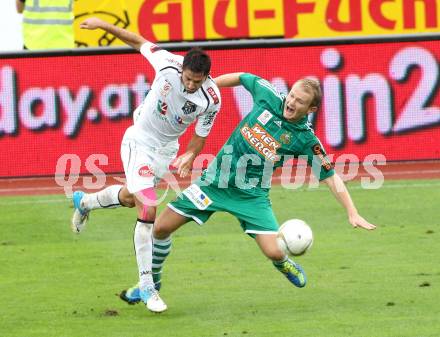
263,141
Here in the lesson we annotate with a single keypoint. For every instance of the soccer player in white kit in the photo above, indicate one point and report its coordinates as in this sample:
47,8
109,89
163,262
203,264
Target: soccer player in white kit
182,93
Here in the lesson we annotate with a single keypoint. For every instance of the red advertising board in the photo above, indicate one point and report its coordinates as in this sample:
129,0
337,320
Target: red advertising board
379,98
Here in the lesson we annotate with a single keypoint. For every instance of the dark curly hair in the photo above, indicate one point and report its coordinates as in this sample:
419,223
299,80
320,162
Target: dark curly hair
197,61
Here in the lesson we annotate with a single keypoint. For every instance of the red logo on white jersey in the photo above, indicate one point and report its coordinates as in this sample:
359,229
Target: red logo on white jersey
162,107
214,96
175,62
165,88
154,48
146,171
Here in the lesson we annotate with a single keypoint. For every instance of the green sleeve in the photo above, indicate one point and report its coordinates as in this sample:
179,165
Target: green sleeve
262,91
249,81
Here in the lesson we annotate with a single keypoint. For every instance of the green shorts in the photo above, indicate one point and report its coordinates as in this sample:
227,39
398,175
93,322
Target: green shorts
254,212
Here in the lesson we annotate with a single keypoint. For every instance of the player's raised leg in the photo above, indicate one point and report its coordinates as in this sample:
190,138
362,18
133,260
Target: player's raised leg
291,270
110,197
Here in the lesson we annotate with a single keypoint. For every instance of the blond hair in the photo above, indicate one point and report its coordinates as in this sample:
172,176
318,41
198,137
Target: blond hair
312,85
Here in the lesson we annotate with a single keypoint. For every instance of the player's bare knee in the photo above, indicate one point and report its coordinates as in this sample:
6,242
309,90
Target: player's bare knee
168,222
127,201
160,231
126,198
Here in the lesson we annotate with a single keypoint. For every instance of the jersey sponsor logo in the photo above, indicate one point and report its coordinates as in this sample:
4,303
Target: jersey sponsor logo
278,123
145,171
175,62
261,141
162,107
197,197
209,119
214,96
165,88
319,152
154,48
178,119
264,117
189,107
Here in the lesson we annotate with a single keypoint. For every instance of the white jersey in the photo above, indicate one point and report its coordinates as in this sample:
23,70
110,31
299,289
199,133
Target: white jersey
168,109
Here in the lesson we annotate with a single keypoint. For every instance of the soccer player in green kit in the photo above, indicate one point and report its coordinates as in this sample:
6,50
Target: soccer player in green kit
238,180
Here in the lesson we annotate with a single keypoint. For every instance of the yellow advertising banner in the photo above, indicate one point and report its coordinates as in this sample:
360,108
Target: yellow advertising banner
177,20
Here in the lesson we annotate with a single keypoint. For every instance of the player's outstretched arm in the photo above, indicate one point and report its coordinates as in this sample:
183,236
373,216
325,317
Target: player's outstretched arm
228,80
341,193
185,161
132,39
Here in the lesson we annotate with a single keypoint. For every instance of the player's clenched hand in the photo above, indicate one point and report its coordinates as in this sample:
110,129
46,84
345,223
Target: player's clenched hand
358,221
91,23
184,164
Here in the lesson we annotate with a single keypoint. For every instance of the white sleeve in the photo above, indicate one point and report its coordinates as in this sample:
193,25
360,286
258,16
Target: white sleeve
206,121
160,58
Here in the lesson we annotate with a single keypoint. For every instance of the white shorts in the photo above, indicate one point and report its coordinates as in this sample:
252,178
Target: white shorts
144,166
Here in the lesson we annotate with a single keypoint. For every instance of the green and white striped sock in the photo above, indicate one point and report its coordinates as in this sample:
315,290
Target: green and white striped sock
161,249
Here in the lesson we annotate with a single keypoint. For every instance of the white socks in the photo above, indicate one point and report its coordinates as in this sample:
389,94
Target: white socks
106,198
144,249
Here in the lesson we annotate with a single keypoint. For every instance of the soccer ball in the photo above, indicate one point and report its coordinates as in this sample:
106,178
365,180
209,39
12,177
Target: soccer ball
295,237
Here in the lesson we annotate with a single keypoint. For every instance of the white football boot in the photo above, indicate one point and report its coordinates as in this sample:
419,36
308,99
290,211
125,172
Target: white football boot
80,215
152,300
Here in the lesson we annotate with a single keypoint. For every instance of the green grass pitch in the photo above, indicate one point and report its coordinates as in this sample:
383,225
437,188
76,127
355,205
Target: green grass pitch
216,281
